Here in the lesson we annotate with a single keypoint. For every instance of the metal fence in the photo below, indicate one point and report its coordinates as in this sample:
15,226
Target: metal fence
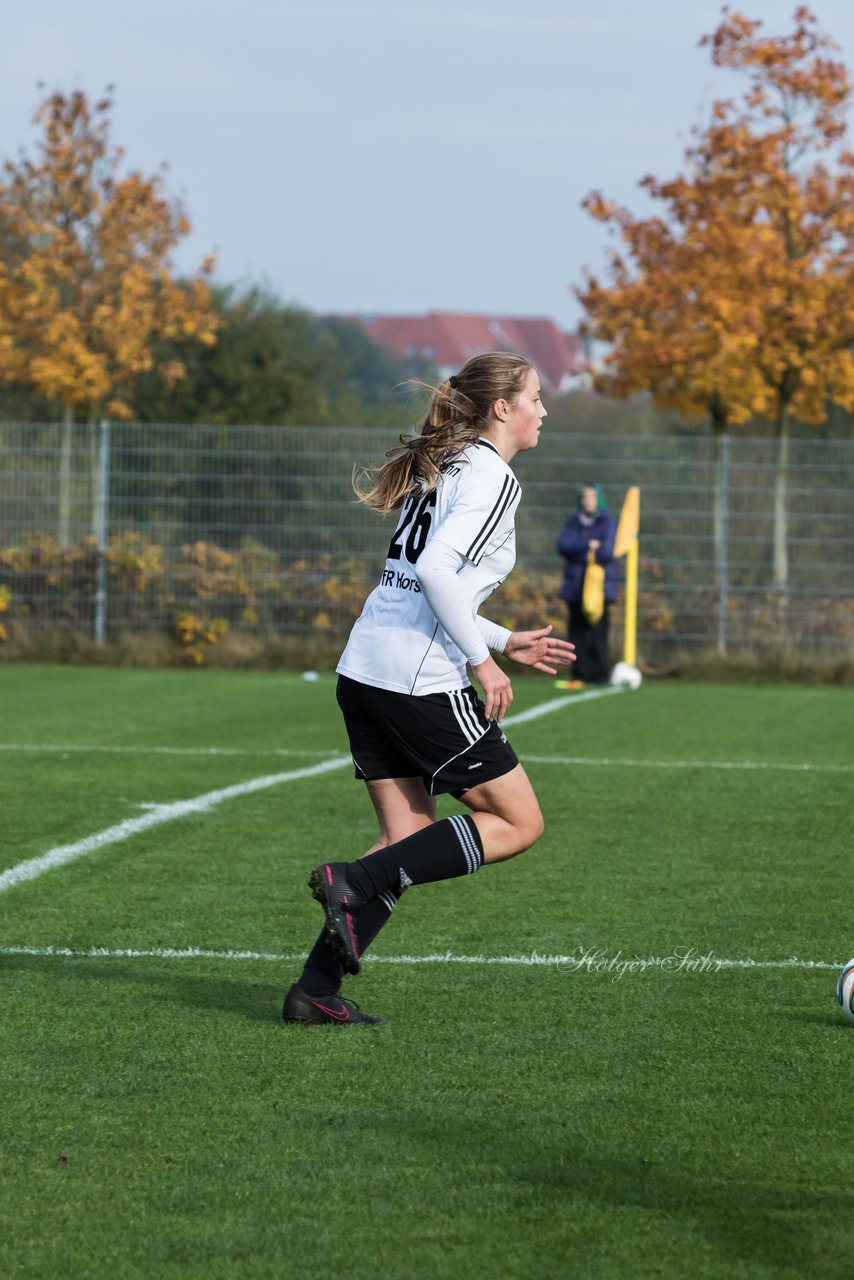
132,527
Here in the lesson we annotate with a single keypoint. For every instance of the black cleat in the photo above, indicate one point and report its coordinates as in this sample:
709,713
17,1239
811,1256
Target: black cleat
299,1007
331,888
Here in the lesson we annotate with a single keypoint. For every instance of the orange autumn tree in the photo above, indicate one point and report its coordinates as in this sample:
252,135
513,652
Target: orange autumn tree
738,301
86,288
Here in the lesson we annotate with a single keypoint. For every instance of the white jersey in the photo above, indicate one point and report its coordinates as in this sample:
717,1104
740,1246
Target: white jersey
398,643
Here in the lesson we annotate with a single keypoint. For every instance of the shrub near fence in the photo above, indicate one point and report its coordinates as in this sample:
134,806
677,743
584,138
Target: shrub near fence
207,535
198,596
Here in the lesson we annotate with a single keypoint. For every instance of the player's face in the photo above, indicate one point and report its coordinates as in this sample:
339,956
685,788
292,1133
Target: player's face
527,414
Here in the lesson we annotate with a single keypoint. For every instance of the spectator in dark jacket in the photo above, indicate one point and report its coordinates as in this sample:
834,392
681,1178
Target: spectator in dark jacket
590,528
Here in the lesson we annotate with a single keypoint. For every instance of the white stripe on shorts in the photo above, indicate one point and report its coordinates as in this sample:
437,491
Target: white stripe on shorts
471,730
465,716
467,841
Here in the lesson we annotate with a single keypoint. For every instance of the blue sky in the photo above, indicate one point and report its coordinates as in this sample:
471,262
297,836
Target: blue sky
389,156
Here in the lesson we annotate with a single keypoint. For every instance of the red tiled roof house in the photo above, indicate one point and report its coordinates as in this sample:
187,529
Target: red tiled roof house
447,339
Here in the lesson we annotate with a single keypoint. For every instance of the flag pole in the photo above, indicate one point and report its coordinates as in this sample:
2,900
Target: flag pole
626,544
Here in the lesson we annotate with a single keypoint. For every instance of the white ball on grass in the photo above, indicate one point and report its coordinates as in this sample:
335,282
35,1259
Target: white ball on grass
310,676
845,992
625,676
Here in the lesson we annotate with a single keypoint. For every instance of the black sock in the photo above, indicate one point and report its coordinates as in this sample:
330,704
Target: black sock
323,972
373,916
443,850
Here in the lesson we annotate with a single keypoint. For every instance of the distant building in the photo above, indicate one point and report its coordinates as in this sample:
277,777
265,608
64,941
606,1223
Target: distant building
447,339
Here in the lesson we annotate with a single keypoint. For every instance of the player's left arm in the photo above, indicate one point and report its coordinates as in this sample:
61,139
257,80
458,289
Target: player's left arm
530,648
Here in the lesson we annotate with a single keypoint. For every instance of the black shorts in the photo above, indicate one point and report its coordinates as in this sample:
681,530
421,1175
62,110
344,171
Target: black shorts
443,738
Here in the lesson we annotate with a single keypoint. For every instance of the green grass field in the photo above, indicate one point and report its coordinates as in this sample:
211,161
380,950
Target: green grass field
610,1057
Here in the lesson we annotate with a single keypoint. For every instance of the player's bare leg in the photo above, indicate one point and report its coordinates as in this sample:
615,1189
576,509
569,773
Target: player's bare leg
403,806
507,815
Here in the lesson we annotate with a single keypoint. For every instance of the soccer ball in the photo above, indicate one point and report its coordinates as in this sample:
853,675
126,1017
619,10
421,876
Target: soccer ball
845,992
626,677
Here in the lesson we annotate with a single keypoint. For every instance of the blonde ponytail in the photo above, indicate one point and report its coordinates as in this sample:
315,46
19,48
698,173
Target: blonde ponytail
458,413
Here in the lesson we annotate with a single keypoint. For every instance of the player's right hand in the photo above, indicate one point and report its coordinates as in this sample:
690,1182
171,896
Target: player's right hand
497,689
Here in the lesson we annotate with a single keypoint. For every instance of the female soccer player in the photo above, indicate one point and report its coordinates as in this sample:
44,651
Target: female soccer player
417,728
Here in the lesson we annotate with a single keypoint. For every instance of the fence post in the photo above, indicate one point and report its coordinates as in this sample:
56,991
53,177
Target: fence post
101,536
723,567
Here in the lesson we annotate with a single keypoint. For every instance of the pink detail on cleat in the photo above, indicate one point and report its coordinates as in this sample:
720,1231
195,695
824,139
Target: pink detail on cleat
354,941
337,1014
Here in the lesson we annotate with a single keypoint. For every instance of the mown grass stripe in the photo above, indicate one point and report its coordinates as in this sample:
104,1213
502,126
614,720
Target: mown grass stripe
157,814
61,855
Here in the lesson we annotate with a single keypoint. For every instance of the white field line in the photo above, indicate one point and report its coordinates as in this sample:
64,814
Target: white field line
71,748
606,762
576,962
157,814
68,749
580,761
555,704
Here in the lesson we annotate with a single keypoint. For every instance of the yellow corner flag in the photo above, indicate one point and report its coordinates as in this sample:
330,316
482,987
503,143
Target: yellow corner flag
629,523
626,544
